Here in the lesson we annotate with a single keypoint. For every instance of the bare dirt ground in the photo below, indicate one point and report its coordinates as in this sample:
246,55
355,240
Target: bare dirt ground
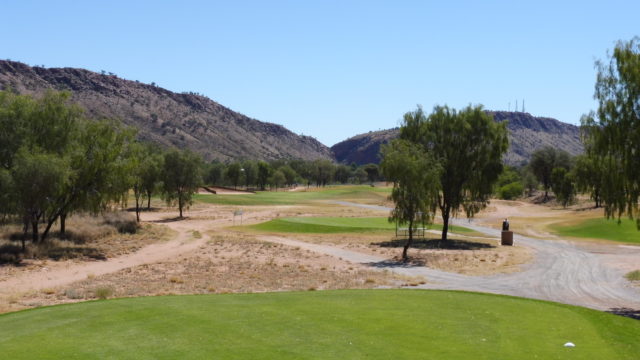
201,257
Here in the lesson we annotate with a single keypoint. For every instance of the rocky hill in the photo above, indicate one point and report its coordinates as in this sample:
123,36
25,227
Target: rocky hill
526,134
182,120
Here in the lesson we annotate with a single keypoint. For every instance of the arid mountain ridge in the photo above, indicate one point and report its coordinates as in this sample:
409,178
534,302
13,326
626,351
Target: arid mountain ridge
188,120
527,133
183,120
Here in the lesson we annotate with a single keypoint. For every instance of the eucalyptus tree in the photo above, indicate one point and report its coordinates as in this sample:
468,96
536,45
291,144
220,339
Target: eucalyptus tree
542,163
98,163
47,124
234,173
38,180
215,173
181,177
277,179
290,175
614,129
250,173
563,185
589,174
264,171
151,174
415,176
6,194
343,173
145,175
468,144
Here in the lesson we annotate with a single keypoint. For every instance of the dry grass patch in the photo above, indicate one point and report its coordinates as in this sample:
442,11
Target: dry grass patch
56,251
228,263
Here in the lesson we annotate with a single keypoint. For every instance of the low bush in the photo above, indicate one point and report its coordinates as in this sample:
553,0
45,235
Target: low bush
511,191
633,276
10,254
124,222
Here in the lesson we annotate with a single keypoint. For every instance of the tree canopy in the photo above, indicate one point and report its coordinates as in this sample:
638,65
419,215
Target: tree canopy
181,177
468,144
542,163
415,176
613,131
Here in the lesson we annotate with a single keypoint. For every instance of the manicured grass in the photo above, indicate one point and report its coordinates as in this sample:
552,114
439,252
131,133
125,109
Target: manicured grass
347,192
354,324
601,228
336,225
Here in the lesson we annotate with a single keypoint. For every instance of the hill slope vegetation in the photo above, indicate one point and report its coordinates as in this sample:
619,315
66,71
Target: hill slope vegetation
185,120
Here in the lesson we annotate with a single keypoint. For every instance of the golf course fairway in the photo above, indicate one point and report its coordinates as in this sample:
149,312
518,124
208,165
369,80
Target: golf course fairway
326,225
346,324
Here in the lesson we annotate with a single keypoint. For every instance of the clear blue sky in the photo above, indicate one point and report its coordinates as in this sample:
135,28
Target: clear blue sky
333,69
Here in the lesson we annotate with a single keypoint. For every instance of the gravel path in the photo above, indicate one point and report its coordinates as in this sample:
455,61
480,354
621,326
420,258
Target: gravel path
560,271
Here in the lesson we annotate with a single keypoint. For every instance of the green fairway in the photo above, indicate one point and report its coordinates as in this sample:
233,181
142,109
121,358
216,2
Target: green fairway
361,193
337,225
352,324
602,228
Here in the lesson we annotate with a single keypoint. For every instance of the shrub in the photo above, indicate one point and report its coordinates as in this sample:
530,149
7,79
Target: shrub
123,221
73,294
103,292
84,228
633,276
10,254
511,191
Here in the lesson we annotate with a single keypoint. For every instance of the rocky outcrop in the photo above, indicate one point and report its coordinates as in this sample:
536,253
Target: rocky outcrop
527,133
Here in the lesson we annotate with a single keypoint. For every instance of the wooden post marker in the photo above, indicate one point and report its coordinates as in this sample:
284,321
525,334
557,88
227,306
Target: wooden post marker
507,238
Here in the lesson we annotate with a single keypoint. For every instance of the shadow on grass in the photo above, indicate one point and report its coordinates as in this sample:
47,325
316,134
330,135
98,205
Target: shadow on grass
626,312
451,244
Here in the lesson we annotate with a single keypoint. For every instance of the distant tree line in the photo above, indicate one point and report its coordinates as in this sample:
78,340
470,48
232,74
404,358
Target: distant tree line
274,175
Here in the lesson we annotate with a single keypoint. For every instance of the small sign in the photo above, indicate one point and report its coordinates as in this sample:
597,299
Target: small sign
237,213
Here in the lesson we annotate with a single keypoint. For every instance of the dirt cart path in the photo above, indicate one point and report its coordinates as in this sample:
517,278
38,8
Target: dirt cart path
560,271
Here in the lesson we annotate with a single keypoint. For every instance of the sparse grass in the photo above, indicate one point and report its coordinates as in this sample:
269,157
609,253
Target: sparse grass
73,294
633,276
601,228
320,325
230,264
336,225
359,193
